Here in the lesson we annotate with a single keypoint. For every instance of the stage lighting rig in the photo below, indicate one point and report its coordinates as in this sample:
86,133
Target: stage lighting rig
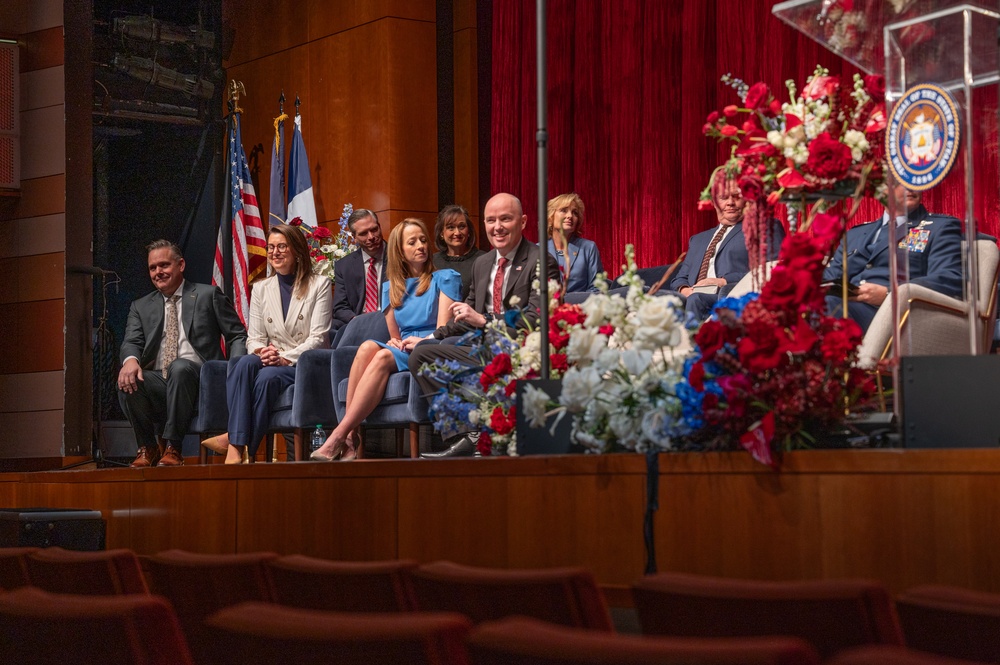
147,70
148,29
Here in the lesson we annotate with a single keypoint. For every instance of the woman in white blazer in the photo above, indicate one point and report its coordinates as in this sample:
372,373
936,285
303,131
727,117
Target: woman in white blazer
290,313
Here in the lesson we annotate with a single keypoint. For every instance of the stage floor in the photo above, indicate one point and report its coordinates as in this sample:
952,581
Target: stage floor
904,517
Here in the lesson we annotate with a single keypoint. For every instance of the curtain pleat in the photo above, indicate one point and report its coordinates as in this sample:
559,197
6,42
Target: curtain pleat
629,85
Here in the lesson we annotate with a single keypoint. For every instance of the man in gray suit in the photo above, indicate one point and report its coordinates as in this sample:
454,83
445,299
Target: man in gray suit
168,337
498,276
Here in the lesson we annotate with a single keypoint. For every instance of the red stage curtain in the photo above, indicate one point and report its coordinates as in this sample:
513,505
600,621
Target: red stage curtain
630,83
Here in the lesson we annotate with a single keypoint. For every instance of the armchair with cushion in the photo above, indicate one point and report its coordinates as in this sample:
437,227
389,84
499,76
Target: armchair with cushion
300,407
402,406
936,324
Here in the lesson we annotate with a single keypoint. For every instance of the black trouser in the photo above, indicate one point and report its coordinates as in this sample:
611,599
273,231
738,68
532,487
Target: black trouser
170,401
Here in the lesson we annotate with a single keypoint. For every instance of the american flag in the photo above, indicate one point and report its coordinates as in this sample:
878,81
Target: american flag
249,254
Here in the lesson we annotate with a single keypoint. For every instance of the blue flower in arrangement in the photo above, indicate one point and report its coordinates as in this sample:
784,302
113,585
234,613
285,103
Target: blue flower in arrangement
736,305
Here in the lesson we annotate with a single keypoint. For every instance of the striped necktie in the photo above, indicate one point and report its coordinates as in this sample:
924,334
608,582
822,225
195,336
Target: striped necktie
371,287
709,253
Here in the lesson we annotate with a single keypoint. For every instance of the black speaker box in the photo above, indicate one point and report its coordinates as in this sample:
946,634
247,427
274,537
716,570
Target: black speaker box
950,401
69,528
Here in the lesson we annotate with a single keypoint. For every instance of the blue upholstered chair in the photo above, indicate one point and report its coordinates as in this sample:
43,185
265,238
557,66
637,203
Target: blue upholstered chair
402,405
300,407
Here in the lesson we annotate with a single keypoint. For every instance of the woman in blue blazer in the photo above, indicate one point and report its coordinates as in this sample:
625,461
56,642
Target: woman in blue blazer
578,258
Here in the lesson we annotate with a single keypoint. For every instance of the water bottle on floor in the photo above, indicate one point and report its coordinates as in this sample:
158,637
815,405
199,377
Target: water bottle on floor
318,437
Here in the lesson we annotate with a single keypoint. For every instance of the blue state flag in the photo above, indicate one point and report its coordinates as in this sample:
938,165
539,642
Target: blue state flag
276,193
300,192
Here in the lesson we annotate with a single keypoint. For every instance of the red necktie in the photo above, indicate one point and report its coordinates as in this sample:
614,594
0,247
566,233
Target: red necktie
498,287
371,287
709,253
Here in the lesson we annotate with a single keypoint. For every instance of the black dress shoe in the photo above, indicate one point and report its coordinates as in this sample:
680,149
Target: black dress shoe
464,447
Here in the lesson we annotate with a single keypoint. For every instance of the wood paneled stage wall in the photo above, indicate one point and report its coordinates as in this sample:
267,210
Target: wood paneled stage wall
904,517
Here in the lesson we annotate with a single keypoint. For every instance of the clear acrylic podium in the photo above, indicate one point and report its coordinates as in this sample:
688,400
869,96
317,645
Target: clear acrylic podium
952,45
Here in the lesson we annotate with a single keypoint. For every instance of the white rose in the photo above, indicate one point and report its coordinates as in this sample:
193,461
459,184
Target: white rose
653,422
624,429
585,344
579,387
657,313
534,403
607,360
775,138
474,417
636,361
595,307
514,301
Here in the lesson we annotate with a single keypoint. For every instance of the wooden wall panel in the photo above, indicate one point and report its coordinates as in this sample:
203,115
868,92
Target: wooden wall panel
193,515
41,196
37,336
43,151
464,14
33,235
36,391
42,49
43,87
467,123
412,115
342,518
28,278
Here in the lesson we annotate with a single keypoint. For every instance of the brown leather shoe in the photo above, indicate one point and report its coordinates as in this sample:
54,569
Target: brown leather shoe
148,456
171,457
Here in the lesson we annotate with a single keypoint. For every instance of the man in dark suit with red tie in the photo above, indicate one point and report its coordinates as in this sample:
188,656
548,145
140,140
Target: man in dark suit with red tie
498,277
358,277
717,258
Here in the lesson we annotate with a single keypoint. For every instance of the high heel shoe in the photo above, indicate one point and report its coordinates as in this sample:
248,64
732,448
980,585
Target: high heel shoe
217,444
244,459
317,456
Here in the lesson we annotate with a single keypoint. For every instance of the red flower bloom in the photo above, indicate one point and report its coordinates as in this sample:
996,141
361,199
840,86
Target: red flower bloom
730,111
321,232
511,388
485,445
791,179
789,289
569,314
713,117
828,157
295,221
503,423
729,130
558,362
558,337
696,377
498,367
705,206
711,337
820,86
757,96
875,85
773,109
751,187
800,340
607,329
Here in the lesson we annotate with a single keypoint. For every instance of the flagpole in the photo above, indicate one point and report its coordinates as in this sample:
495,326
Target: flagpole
541,139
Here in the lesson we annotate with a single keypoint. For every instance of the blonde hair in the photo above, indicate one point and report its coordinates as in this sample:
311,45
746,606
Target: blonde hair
398,269
564,200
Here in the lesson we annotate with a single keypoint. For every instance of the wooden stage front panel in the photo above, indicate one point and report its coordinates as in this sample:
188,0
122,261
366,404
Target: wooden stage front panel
904,517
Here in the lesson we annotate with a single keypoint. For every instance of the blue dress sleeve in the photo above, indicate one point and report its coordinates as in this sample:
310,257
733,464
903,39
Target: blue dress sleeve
449,282
385,295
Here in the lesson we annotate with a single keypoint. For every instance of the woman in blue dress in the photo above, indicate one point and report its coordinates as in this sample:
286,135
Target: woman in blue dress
420,301
579,260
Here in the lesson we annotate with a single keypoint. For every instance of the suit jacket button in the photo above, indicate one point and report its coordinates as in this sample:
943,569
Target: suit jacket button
300,317
269,319
868,267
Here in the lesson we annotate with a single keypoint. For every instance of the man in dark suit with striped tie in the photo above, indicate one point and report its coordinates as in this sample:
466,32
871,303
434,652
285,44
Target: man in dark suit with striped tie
358,277
717,258
169,335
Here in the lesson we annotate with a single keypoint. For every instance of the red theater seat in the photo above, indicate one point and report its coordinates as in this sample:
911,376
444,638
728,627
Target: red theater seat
830,614
566,596
342,586
951,621
262,633
14,567
523,641
103,573
198,585
41,627
893,655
